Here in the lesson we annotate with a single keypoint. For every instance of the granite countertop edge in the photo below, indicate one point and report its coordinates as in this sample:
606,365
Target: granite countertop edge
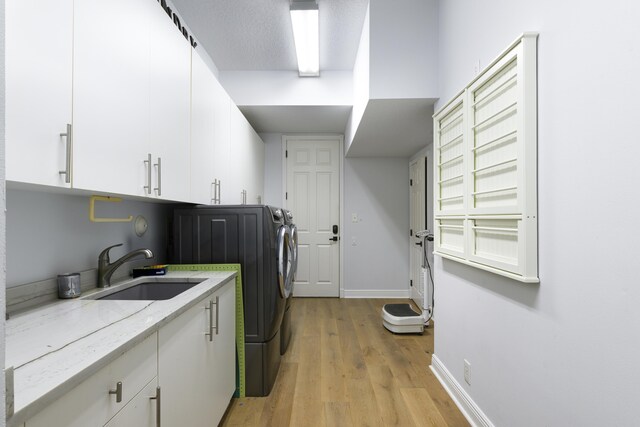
31,396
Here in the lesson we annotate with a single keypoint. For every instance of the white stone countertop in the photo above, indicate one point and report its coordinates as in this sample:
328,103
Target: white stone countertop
55,347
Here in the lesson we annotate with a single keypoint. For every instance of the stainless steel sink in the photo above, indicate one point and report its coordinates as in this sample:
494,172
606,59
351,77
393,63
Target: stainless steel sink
150,291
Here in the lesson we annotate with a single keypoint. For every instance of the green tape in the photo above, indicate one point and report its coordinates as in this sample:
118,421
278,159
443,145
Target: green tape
240,383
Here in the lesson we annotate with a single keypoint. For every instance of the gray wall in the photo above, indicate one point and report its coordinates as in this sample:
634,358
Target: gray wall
564,352
49,234
377,191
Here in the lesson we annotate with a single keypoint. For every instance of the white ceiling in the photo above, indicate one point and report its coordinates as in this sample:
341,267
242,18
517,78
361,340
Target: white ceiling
256,34
393,128
297,119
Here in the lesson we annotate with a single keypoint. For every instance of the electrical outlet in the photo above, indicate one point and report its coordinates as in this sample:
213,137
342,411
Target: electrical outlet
354,217
354,242
467,371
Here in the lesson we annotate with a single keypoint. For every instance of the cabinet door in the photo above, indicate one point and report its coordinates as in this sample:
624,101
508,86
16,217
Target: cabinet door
39,61
239,157
224,357
209,132
195,374
90,403
111,95
169,80
222,137
140,412
256,185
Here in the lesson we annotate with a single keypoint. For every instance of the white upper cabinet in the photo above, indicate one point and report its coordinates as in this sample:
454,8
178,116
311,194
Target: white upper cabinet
238,158
105,96
246,161
111,95
39,58
169,82
131,100
221,138
209,133
255,188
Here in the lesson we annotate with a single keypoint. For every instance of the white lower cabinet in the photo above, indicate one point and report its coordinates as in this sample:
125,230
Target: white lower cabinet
91,403
190,363
196,361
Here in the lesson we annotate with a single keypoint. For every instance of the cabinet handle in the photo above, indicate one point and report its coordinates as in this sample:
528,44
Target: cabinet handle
117,392
158,405
159,166
210,333
215,186
148,163
67,171
219,187
217,314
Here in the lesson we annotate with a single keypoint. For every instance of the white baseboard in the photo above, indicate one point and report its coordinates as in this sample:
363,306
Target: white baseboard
467,406
375,293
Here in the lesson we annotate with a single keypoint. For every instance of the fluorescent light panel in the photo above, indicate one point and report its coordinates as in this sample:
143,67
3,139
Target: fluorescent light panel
304,19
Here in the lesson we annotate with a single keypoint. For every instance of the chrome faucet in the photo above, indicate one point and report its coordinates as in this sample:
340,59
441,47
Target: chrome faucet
106,269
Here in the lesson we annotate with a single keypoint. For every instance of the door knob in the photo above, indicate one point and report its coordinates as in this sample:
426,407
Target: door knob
334,238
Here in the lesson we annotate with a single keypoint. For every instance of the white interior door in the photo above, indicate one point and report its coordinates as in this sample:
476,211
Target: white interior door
417,221
313,196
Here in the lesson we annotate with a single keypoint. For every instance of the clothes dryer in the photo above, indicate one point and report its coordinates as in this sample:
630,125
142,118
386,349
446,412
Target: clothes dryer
285,329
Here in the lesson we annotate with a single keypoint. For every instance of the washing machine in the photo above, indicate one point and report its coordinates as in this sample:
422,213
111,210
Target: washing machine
285,329
256,237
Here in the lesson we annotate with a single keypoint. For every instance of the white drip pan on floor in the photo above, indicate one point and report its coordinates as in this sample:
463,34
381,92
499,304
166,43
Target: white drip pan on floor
401,319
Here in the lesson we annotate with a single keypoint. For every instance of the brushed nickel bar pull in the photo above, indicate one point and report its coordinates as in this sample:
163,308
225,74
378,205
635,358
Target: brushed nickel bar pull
210,333
117,392
217,314
148,163
157,398
219,187
69,136
214,186
159,166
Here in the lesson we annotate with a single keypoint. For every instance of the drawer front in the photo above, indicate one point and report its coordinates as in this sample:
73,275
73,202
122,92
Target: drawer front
90,403
140,411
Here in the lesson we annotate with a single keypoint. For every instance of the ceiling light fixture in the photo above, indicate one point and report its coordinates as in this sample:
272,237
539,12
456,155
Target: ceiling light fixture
304,20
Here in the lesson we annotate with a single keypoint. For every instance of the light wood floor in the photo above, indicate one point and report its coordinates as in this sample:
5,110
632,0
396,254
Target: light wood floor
344,369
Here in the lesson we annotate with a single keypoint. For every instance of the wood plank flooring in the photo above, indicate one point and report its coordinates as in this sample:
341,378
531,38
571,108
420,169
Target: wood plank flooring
343,368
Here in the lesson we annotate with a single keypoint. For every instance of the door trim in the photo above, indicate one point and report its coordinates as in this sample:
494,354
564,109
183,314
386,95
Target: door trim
340,139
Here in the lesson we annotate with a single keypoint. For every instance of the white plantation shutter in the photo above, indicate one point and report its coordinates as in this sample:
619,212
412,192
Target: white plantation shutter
485,146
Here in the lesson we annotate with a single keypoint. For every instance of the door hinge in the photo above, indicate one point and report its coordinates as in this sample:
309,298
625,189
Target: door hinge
410,182
410,232
286,153
411,283
286,196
